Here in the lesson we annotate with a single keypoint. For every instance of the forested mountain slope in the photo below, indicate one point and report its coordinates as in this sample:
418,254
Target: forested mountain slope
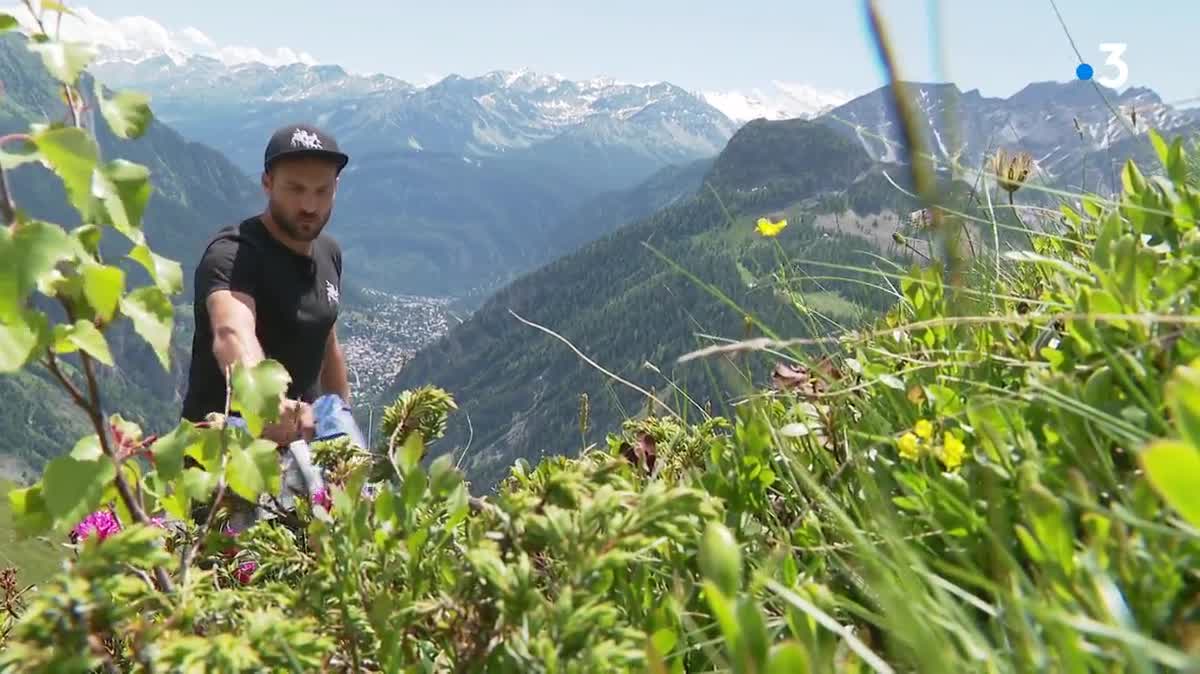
622,305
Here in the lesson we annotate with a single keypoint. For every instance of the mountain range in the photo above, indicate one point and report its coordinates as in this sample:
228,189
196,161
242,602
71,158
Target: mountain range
451,186
541,198
1058,123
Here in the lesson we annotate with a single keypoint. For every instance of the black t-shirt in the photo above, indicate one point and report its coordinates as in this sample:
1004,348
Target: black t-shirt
296,305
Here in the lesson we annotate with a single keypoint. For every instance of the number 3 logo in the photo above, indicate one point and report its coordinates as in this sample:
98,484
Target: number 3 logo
1114,50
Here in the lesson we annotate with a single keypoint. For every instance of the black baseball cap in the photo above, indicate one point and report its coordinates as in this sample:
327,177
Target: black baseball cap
296,140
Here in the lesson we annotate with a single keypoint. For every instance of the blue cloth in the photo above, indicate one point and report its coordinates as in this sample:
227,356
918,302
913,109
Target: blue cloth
331,416
333,419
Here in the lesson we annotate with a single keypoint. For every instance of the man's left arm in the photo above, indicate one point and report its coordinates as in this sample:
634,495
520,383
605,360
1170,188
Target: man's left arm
334,375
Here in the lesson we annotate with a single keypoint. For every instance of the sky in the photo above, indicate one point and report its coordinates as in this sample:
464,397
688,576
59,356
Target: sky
707,45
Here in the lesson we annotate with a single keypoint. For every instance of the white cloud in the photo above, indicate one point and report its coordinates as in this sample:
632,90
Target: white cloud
140,36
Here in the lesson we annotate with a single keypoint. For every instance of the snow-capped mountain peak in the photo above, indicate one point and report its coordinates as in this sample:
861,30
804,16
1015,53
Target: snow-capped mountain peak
784,100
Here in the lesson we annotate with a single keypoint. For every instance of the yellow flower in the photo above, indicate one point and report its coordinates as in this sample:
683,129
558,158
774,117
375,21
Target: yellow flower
953,451
768,228
924,429
910,447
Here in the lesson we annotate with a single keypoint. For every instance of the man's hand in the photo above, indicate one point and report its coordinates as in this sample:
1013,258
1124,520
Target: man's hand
296,422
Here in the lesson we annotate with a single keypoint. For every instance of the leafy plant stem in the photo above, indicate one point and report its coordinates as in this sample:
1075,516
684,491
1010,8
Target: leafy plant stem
189,554
131,501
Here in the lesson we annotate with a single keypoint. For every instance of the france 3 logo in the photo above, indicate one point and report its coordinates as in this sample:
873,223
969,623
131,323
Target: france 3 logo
1119,72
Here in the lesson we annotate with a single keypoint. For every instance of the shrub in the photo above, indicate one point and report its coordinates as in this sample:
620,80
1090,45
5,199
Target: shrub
1000,475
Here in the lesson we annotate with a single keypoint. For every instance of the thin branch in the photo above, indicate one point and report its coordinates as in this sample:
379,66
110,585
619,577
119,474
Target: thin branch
131,501
189,555
8,210
596,365
51,364
761,343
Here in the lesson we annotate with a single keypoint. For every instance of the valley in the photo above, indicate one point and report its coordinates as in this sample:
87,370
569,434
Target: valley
655,377
381,333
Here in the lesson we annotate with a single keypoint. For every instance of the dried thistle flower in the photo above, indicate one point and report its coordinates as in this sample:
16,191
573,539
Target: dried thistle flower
1011,169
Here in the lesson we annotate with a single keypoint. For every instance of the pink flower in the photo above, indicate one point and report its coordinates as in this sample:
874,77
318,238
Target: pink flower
230,533
321,497
245,571
103,523
158,521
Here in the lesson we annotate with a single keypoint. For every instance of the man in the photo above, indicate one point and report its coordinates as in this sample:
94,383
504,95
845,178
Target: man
268,287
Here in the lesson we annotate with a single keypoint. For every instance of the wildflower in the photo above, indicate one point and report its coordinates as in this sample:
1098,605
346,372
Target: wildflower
245,571
910,447
952,451
923,429
321,497
103,523
770,229
1011,170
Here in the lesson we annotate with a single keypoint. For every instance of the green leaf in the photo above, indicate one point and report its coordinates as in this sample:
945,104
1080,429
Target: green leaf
457,506
29,510
254,470
1160,147
415,482
1185,212
755,640
442,475
20,338
152,315
166,273
1132,179
718,602
72,154
721,558
7,22
1176,168
1173,469
168,450
103,286
1183,395
177,503
28,255
788,657
65,60
18,152
664,640
257,392
88,448
88,237
128,113
72,488
410,452
84,336
124,188
198,484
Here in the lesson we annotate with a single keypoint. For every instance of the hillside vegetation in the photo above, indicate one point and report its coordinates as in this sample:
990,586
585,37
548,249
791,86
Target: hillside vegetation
636,298
999,471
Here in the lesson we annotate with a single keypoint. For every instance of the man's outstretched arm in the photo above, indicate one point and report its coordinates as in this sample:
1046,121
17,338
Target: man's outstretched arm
235,341
234,337
334,374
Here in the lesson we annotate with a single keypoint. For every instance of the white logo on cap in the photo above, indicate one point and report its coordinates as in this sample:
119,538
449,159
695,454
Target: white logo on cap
302,138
